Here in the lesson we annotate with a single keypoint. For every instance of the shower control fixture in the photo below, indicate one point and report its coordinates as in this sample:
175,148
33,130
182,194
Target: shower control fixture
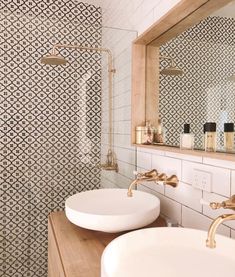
54,58
111,162
171,70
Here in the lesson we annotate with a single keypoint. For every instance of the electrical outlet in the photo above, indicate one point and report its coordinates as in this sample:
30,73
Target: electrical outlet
202,180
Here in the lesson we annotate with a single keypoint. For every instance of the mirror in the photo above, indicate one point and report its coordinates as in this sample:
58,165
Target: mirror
205,92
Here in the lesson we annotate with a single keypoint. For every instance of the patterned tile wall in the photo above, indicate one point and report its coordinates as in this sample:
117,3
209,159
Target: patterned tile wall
206,54
50,120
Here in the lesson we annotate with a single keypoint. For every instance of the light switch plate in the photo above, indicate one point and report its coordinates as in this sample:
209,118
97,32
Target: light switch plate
202,180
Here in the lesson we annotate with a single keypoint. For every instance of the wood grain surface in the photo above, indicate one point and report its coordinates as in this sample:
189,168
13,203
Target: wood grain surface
75,251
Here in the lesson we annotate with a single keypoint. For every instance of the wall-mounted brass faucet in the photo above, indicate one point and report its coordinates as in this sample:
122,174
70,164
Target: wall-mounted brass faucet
153,176
228,204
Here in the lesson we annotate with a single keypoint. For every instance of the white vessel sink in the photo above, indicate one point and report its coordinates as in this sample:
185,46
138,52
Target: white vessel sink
167,252
110,210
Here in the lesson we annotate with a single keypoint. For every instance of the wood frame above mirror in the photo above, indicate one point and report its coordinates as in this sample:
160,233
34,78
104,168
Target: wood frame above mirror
145,55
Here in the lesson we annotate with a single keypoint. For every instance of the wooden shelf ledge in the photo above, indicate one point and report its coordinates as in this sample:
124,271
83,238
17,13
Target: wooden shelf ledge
199,153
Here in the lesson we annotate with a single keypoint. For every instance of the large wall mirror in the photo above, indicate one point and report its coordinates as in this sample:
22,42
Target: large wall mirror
200,86
189,71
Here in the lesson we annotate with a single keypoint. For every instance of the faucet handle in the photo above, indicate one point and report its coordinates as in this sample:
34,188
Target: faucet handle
228,204
162,177
216,205
213,205
151,174
172,181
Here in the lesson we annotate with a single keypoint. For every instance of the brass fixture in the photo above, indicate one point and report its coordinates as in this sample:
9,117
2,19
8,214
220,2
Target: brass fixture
172,70
228,204
149,174
162,177
153,176
111,162
172,181
55,59
210,242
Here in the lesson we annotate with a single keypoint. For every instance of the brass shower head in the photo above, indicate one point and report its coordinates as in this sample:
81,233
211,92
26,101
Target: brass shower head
171,70
53,59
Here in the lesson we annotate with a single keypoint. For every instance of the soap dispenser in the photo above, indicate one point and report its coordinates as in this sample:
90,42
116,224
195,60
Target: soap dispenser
186,138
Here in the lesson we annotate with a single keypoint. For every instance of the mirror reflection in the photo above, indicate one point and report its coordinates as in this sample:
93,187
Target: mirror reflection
197,84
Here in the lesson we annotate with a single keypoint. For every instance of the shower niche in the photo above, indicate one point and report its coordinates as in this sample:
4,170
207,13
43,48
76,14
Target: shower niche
183,71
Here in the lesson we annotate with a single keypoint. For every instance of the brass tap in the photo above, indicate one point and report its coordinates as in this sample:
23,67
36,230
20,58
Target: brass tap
153,176
172,181
149,174
162,177
228,204
210,242
141,177
111,162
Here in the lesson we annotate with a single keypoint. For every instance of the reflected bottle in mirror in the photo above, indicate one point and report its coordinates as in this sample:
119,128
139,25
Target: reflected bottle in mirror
228,137
159,134
210,136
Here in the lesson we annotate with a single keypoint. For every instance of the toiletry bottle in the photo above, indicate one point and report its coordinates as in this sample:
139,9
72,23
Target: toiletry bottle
186,138
210,136
149,130
203,136
159,133
140,134
228,136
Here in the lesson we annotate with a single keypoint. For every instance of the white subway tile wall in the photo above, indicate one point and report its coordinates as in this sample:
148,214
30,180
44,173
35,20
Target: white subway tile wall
192,219
122,20
233,182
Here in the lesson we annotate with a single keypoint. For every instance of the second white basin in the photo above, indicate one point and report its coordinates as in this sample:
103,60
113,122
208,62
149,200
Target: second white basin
167,252
111,210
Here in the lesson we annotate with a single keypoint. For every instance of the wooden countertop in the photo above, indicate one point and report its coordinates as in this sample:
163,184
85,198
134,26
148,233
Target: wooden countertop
80,249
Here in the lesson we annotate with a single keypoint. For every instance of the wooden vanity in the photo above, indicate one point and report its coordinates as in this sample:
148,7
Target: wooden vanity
75,251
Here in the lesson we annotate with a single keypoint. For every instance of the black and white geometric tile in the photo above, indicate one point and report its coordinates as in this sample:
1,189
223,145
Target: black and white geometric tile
206,54
50,120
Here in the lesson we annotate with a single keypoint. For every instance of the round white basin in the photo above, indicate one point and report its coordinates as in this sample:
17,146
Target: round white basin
111,210
167,252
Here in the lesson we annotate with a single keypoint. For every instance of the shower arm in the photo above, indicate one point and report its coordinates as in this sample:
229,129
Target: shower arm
168,58
111,71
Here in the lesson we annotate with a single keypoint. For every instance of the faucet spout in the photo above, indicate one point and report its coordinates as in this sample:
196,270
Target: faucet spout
210,242
153,176
129,193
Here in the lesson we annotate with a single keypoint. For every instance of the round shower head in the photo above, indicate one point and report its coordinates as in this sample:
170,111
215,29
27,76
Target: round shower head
53,59
172,71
